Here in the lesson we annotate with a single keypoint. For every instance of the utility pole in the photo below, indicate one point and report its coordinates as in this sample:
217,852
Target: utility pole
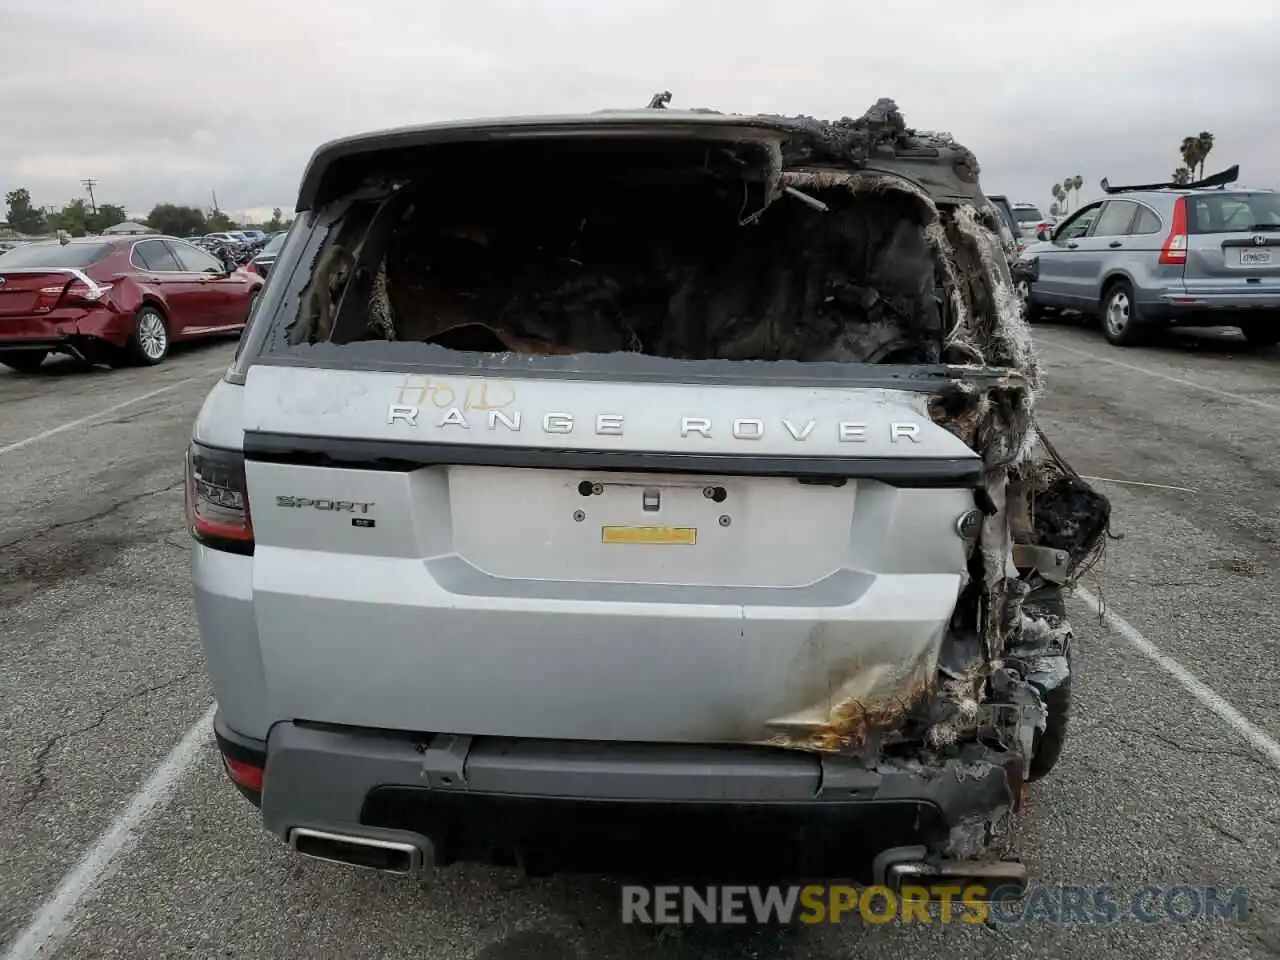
215,200
89,184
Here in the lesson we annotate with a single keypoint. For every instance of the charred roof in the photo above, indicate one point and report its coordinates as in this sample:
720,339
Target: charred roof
878,140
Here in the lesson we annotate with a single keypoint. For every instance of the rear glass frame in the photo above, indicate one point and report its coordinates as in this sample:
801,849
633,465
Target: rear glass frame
320,216
56,256
1269,202
263,342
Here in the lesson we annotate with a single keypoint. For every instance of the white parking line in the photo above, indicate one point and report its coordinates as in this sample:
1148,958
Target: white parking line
1138,483
1158,375
72,424
1197,688
55,918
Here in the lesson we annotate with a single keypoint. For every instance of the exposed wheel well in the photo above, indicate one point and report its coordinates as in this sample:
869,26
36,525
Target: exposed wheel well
155,305
1109,283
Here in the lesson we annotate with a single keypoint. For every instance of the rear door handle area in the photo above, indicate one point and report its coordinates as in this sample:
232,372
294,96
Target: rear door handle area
1114,243
1072,246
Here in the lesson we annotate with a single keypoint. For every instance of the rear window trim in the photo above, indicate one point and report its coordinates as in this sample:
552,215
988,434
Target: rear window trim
263,340
639,368
105,249
1193,220
402,456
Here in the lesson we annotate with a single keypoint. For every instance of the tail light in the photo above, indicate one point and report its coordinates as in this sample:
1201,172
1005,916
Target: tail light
75,293
1174,251
217,499
245,766
247,775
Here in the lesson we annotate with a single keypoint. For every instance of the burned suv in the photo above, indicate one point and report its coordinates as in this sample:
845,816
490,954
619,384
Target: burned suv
637,461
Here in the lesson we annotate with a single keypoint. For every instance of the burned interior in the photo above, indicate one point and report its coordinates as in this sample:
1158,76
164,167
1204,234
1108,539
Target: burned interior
781,246
860,241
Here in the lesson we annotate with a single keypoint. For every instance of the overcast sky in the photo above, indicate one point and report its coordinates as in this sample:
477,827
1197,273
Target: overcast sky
168,100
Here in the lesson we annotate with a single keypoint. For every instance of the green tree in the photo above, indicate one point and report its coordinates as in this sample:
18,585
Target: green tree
1190,152
1182,175
22,216
276,223
176,220
108,215
1204,144
73,218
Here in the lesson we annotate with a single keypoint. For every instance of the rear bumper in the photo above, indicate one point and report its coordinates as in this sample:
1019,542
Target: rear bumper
501,800
61,330
1213,309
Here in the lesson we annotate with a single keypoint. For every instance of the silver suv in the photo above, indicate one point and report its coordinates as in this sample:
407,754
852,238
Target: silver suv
1156,256
576,468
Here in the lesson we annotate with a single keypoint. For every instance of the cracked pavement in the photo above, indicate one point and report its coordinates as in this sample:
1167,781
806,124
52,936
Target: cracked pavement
101,673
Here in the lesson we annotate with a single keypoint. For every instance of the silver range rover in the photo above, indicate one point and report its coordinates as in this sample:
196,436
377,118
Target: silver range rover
578,470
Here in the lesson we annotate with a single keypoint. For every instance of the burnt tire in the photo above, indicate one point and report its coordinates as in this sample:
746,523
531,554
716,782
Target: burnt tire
23,361
1047,744
1119,315
149,342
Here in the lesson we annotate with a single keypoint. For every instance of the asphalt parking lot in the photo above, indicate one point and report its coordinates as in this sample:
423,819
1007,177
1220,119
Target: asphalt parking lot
101,675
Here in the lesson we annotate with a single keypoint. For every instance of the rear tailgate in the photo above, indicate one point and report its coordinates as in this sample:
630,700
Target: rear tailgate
631,561
1233,243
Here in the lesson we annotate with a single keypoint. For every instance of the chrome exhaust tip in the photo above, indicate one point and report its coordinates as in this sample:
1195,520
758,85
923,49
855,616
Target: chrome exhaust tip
370,853
998,881
983,881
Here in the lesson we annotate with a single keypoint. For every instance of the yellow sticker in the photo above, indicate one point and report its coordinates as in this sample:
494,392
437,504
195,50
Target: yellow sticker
677,536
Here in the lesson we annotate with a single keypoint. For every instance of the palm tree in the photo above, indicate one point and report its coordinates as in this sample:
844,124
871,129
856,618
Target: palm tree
1076,183
1190,151
1204,143
1182,175
1060,195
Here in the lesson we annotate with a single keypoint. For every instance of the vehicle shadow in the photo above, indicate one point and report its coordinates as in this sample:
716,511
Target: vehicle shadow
68,366
1215,341
1218,341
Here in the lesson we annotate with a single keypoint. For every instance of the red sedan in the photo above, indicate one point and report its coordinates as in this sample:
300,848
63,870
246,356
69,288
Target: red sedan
115,300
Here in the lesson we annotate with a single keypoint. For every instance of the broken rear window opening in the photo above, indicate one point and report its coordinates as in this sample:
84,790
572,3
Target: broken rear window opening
678,248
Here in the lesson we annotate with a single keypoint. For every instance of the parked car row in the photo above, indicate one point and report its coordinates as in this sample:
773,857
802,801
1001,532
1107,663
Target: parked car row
234,246
116,300
265,258
1151,257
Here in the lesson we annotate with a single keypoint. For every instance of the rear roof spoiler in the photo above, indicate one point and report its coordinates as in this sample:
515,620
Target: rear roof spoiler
72,272
1229,175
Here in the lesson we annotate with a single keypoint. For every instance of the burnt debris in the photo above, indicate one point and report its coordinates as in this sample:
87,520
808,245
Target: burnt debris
856,284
